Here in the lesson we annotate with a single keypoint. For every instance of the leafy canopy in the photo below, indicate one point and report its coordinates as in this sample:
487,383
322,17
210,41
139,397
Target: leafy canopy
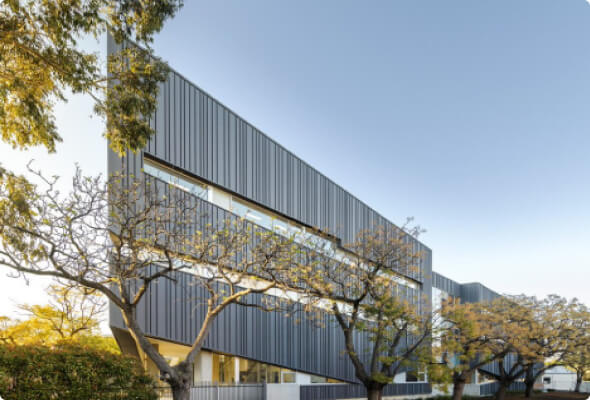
71,317
40,58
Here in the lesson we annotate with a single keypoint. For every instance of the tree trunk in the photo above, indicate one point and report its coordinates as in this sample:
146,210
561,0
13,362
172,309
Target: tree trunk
181,387
181,392
528,392
501,393
579,377
373,393
529,380
458,387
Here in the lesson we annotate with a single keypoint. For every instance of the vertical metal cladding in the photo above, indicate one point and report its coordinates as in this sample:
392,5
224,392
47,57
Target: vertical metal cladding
200,136
476,292
172,310
445,284
468,292
473,293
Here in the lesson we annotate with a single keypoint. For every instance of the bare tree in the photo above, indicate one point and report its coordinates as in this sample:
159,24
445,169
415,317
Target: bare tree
122,236
363,286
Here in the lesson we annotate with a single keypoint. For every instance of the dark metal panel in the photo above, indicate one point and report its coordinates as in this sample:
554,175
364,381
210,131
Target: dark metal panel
336,391
446,285
476,292
257,168
194,132
489,389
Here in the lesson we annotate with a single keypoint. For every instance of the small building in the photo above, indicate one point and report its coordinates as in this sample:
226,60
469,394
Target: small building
559,378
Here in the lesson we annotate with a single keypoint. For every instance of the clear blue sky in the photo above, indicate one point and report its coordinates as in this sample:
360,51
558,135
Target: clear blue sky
472,116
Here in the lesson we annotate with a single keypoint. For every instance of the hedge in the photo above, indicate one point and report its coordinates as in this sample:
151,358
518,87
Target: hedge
71,372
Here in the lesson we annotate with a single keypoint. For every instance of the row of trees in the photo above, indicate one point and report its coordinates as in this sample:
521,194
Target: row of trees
513,338
118,238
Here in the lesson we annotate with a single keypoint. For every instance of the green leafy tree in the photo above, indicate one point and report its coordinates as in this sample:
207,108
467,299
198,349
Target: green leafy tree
40,59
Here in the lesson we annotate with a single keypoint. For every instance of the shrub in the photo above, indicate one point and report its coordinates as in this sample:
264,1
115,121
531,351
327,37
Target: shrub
70,372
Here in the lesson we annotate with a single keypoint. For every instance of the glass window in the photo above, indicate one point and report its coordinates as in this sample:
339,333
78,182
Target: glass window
273,374
251,214
256,372
288,377
279,226
196,188
262,372
248,371
223,369
318,379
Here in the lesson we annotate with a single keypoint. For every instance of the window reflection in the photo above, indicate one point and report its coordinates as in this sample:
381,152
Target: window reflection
279,226
195,188
256,372
223,369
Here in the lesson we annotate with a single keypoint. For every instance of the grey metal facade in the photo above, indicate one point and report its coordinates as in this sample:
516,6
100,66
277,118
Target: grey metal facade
173,311
333,392
476,292
200,137
473,292
445,284
203,138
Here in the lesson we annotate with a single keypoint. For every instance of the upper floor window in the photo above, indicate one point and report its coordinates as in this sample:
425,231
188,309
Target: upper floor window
279,226
177,180
257,215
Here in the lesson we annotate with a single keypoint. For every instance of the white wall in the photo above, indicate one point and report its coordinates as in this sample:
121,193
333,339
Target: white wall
302,379
400,378
203,367
564,382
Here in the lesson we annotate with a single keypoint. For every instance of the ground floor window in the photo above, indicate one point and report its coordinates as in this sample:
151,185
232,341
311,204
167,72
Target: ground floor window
256,372
223,370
